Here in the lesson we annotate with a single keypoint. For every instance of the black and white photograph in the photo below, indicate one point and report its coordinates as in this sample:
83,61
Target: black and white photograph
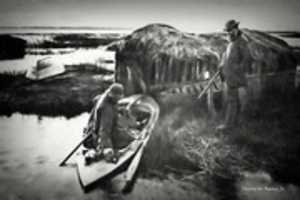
149,100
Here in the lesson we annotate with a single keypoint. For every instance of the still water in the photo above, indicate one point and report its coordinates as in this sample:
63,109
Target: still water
31,149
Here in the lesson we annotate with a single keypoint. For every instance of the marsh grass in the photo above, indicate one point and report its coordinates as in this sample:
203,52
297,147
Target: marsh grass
68,95
185,144
7,79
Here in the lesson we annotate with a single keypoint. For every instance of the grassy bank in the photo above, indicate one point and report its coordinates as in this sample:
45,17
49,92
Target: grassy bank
69,94
8,79
185,144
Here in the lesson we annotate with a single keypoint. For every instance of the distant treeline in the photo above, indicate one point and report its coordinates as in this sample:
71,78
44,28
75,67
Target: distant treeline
69,40
14,46
11,47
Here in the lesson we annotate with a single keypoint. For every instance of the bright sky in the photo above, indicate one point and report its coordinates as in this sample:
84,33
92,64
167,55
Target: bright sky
187,15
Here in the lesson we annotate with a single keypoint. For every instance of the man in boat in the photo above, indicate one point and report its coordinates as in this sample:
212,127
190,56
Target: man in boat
235,61
103,123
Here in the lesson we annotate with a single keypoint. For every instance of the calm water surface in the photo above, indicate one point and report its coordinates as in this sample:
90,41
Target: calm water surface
31,149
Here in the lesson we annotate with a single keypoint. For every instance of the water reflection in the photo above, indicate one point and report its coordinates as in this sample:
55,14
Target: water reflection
20,65
30,150
50,136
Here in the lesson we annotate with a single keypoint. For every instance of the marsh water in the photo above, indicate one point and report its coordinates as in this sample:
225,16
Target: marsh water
30,150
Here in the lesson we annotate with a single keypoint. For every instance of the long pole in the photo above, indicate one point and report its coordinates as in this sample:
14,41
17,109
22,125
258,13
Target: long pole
75,149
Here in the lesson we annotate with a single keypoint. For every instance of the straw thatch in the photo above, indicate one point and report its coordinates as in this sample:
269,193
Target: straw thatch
268,53
159,54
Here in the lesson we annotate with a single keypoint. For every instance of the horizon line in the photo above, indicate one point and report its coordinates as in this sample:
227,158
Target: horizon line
65,27
105,28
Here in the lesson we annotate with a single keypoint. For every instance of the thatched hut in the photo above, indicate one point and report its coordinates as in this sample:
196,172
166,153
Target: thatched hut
160,56
157,55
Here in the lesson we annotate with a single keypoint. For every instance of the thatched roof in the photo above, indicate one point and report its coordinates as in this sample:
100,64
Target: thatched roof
160,54
269,53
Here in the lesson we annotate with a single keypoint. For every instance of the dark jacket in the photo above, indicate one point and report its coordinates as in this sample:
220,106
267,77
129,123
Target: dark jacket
107,123
235,61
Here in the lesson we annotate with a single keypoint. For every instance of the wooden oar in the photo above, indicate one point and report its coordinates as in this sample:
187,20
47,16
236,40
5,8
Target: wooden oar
92,118
75,149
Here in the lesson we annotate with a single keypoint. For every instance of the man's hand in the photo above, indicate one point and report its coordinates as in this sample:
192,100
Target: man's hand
222,77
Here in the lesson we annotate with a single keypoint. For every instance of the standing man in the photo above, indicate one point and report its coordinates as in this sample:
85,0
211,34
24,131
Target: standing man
234,63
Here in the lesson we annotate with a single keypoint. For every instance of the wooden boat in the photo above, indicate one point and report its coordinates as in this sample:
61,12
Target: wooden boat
45,68
144,111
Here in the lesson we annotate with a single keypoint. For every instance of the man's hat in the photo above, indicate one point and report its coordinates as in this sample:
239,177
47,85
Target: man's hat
116,90
231,24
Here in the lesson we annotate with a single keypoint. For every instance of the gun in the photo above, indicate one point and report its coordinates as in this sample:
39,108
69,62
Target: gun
210,82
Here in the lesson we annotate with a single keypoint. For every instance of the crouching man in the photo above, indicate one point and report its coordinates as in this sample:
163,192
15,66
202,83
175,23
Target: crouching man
103,125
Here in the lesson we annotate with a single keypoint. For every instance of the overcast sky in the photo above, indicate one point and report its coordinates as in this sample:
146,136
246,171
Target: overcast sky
187,15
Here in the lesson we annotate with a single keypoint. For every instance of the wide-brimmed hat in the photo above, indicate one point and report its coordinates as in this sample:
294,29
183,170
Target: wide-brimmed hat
116,90
231,24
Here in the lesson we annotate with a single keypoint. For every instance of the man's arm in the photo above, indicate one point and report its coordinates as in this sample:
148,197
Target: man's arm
221,66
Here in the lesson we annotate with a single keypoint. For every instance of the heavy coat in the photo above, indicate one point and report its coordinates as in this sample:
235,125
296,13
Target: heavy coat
235,62
102,123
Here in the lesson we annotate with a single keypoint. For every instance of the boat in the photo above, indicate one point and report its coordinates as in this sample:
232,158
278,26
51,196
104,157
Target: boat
86,60
45,68
144,111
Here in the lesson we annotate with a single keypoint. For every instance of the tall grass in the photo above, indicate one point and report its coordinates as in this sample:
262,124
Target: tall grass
67,95
186,144
8,79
